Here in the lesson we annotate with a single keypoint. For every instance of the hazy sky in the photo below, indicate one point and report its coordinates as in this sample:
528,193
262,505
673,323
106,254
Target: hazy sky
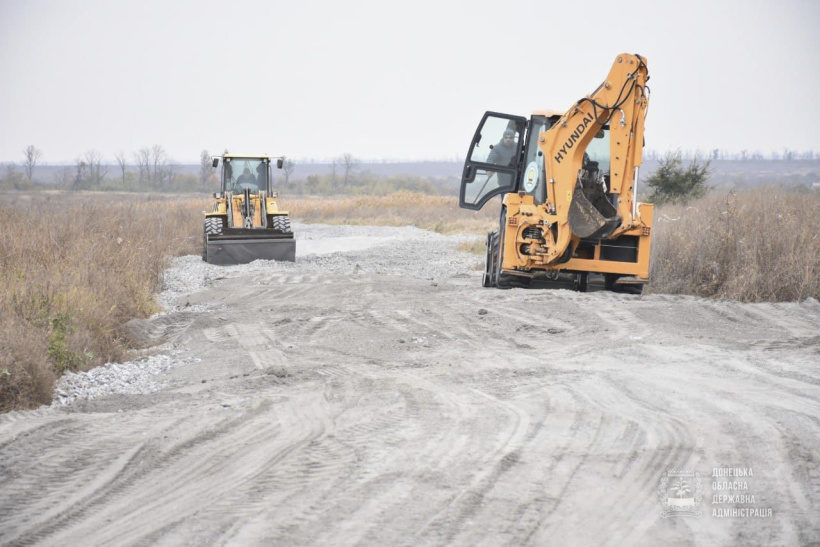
392,80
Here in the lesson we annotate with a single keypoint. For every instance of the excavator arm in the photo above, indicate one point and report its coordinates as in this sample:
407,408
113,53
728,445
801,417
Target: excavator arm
620,102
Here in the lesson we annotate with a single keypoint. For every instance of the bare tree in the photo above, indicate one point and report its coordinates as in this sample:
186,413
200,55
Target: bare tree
349,163
122,161
32,156
64,176
287,170
96,170
333,176
206,170
143,159
159,164
11,178
80,173
169,172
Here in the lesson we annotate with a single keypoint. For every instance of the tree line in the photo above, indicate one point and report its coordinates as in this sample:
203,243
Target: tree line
147,169
152,169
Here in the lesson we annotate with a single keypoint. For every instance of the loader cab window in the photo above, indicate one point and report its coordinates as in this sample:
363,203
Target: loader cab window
239,174
493,159
533,181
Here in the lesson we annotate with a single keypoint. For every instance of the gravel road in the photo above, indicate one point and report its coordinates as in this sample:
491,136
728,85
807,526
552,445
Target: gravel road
374,393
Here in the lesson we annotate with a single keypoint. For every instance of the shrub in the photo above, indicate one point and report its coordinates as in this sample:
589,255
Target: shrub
673,183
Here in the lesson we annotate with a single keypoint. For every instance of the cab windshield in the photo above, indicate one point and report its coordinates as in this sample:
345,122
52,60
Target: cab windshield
242,173
532,181
598,151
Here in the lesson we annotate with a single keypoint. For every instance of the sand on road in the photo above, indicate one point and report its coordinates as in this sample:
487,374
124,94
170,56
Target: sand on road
374,393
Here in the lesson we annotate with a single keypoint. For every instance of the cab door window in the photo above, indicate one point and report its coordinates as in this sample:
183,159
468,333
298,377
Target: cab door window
492,161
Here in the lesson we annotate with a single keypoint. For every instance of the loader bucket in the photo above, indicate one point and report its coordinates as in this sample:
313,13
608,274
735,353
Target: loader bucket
225,250
586,220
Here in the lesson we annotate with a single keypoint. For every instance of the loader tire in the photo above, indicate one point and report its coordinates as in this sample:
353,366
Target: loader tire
498,279
610,284
487,278
213,225
581,283
282,224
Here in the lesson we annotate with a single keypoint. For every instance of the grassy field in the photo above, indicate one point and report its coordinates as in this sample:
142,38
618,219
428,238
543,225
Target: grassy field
436,213
75,268
761,245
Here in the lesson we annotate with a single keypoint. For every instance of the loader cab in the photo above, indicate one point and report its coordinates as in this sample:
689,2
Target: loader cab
245,172
493,162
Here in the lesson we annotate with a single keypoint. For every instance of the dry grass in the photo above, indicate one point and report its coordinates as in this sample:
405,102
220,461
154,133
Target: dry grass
74,270
475,247
436,213
752,246
76,267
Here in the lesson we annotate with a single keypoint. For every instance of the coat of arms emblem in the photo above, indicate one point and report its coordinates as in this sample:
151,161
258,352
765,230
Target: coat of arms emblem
680,492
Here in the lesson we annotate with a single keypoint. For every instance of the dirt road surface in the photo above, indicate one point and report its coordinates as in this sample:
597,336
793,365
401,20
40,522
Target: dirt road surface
374,393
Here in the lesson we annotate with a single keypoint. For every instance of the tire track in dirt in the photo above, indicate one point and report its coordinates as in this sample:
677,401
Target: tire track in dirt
190,474
404,415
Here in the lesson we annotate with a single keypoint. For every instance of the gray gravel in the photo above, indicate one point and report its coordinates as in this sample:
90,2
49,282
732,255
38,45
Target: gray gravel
402,251
138,377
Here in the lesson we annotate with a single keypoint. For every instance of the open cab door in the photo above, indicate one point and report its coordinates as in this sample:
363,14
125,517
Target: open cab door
492,165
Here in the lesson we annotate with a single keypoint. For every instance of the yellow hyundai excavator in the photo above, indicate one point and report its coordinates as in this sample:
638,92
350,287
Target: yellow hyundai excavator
245,223
569,182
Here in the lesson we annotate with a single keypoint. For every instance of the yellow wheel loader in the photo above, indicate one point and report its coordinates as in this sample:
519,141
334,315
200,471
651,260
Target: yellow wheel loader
245,223
569,182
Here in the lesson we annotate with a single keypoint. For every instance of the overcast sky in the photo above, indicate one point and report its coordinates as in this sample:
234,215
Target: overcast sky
392,80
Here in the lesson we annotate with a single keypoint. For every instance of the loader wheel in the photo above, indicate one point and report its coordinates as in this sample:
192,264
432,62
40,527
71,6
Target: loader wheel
581,281
282,224
213,225
489,261
498,279
610,284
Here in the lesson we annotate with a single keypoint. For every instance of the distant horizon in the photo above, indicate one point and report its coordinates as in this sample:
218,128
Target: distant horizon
725,155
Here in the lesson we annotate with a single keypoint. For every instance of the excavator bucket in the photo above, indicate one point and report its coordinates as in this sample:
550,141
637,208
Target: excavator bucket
586,220
227,249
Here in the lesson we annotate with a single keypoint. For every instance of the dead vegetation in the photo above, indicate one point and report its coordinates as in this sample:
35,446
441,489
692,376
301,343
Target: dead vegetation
436,213
75,269
759,245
